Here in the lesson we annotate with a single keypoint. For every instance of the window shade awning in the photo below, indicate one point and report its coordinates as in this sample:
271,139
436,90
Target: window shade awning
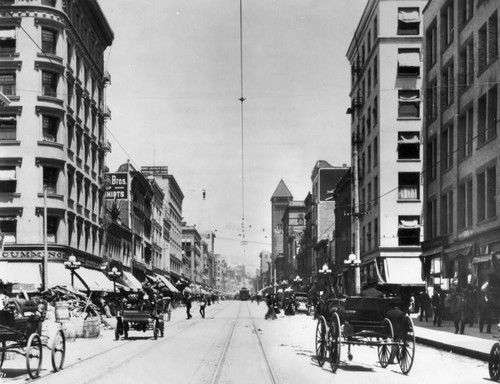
408,97
7,174
409,16
409,224
7,34
408,138
409,59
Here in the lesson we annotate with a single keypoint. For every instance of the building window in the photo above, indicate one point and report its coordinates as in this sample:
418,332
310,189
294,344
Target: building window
447,213
50,176
52,225
8,127
8,227
50,3
432,158
466,67
447,25
486,194
375,111
50,127
8,84
409,104
375,190
487,116
432,101
49,83
8,179
8,40
448,84
408,21
464,133
49,41
487,50
375,151
447,149
375,70
431,44
464,205
465,11
408,145
409,230
408,186
431,221
408,62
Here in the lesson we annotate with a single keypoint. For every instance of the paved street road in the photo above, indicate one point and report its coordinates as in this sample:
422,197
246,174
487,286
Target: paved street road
234,344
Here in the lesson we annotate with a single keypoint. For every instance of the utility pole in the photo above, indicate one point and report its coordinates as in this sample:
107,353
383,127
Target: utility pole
45,251
356,214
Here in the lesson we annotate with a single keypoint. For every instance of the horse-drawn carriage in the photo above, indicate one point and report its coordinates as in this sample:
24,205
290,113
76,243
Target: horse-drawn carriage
377,318
20,332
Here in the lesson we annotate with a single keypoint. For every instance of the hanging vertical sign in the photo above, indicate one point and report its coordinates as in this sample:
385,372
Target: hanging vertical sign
117,186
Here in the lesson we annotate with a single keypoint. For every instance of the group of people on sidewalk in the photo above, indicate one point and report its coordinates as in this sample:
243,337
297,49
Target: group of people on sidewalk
460,306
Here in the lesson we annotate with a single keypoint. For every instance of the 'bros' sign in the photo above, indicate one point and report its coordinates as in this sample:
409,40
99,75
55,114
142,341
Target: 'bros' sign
117,186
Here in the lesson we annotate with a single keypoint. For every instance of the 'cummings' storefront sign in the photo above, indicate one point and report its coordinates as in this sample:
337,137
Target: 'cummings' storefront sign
33,255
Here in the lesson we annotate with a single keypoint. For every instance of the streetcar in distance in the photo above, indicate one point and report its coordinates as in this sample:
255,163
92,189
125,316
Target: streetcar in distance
244,294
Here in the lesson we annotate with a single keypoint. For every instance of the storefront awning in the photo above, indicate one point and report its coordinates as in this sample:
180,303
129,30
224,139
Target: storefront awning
167,283
131,281
95,280
403,271
21,273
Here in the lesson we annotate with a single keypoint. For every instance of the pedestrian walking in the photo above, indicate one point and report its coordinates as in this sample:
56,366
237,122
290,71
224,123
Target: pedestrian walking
470,305
271,314
425,305
203,304
484,310
437,307
168,308
187,301
457,310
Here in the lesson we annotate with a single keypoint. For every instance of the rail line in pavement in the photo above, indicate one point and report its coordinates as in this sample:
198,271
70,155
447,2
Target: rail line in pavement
172,333
216,377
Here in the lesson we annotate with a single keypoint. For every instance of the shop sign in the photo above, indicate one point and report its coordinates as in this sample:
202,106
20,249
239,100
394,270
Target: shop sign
117,186
34,255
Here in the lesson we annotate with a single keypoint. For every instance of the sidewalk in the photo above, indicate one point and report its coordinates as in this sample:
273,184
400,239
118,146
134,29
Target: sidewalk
472,343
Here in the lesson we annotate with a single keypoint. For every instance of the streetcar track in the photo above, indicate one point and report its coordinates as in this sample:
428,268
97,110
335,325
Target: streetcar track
220,364
113,367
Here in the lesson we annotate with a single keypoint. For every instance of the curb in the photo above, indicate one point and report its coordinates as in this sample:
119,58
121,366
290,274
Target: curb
454,349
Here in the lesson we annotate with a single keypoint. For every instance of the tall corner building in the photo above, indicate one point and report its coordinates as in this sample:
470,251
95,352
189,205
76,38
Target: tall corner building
279,202
385,55
462,179
52,133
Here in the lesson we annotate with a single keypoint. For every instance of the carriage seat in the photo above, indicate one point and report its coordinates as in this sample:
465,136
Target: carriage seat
23,307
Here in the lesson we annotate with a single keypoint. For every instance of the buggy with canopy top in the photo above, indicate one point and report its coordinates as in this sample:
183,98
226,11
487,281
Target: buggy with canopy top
374,319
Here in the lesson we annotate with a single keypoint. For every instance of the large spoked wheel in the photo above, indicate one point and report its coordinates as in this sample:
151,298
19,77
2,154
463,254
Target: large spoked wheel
334,342
2,353
384,350
34,355
494,362
321,341
407,347
58,352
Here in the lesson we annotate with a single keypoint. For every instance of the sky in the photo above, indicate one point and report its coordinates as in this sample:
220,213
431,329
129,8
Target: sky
174,96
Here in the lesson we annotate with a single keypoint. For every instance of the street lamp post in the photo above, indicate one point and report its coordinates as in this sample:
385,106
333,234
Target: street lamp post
114,274
353,262
72,265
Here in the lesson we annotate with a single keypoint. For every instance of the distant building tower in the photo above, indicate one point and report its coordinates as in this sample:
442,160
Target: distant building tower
279,202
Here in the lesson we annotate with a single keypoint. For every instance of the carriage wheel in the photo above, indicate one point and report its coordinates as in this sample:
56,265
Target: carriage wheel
321,341
2,353
385,355
58,352
407,345
494,362
34,355
334,342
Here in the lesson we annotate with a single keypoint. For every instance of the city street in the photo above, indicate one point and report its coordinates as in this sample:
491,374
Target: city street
234,344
